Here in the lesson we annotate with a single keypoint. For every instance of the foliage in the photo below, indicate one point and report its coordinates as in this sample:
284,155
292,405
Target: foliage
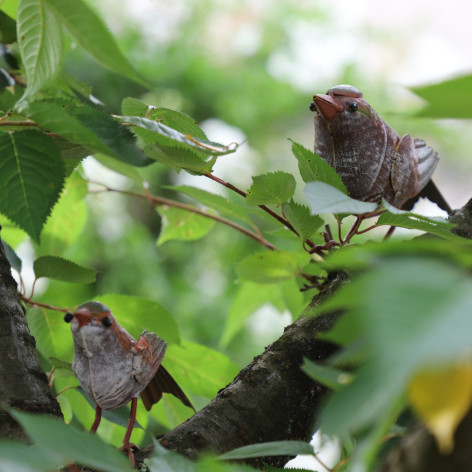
405,326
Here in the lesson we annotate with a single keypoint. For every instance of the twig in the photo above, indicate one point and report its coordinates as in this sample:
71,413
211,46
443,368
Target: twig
30,302
160,201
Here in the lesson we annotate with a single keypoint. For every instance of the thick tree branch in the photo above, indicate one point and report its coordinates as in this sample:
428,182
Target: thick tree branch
270,400
23,383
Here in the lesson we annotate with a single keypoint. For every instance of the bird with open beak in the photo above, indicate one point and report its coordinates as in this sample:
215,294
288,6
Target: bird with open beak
373,161
114,369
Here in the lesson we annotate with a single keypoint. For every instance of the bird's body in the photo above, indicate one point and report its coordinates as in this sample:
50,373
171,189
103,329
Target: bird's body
113,368
373,161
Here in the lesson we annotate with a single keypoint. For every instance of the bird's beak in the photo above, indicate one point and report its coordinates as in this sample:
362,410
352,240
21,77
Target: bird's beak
327,106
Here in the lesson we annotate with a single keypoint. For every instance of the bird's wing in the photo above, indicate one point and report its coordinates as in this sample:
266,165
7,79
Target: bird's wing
161,383
428,159
149,352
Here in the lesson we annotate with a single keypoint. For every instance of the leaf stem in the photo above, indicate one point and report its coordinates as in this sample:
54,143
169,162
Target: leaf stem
160,201
30,302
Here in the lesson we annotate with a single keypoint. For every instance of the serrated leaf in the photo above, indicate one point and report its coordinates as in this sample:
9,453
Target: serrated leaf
91,33
68,444
216,202
331,377
31,178
87,126
136,314
275,448
182,225
447,99
62,269
314,169
301,219
324,198
268,267
67,220
40,41
273,187
442,397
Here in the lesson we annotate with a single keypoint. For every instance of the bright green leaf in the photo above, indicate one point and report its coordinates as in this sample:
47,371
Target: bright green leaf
275,448
199,369
268,267
300,218
67,220
31,178
273,187
62,269
182,225
91,33
70,445
40,42
315,169
447,99
324,198
136,314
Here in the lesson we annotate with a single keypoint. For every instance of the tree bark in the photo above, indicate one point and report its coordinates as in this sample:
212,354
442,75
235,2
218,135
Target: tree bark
23,384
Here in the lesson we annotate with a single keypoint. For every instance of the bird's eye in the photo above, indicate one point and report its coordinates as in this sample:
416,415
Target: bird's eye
68,317
353,107
106,321
313,106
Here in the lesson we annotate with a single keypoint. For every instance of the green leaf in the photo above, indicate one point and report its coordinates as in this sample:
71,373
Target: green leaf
315,169
268,267
154,132
199,369
216,202
12,256
447,99
87,126
275,448
70,445
300,218
67,220
26,458
172,118
438,227
136,314
273,187
60,364
165,460
40,41
31,178
90,32
410,313
7,29
182,225
324,198
331,377
62,269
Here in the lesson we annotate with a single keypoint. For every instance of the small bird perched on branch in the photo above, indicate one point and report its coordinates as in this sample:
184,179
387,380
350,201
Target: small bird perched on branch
373,161
113,368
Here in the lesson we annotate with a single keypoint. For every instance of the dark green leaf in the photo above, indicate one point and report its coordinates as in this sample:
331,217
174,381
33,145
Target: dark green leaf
182,225
300,218
268,267
7,29
70,445
273,187
314,169
62,269
60,364
448,99
329,376
91,33
324,198
31,178
12,257
275,448
40,42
